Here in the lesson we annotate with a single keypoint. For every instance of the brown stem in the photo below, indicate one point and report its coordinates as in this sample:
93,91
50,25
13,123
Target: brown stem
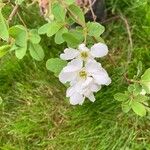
13,13
130,80
91,9
130,50
110,19
21,20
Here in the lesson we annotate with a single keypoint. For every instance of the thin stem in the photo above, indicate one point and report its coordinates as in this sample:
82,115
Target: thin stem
130,80
91,9
22,20
13,13
130,50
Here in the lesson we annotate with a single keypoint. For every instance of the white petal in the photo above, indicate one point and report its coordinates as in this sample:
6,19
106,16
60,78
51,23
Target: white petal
93,66
82,47
102,78
76,98
95,87
99,50
108,81
78,86
87,82
73,82
82,85
91,97
69,53
74,65
70,91
65,77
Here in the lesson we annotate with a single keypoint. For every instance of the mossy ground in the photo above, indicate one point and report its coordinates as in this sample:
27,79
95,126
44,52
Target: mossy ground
35,115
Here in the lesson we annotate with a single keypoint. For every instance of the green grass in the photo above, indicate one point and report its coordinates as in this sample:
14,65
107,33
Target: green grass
35,115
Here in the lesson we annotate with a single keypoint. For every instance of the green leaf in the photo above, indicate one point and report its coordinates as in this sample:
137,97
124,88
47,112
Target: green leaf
43,29
69,2
20,35
95,29
19,1
34,37
73,38
13,47
131,88
126,107
145,81
53,28
20,52
121,97
76,14
138,108
137,89
58,37
36,51
4,34
146,75
69,21
59,12
55,65
4,49
141,98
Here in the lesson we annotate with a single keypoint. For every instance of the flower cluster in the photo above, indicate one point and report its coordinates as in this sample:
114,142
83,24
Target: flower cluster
84,74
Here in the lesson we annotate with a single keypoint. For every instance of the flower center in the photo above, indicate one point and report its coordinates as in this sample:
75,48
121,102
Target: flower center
84,55
83,74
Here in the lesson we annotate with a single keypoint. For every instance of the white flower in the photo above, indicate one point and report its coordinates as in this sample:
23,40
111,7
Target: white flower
83,73
77,94
75,73
84,53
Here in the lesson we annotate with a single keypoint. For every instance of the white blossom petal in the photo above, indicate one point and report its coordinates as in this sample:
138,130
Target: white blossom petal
65,77
82,47
93,66
91,97
87,82
95,87
74,65
102,78
77,98
78,87
70,91
69,53
99,50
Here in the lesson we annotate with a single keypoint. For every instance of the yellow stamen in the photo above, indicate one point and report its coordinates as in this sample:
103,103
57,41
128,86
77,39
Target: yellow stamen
84,54
83,74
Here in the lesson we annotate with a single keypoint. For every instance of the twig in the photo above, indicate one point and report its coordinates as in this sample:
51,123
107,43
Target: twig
32,3
111,19
91,9
112,60
93,2
130,49
130,80
13,13
22,20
